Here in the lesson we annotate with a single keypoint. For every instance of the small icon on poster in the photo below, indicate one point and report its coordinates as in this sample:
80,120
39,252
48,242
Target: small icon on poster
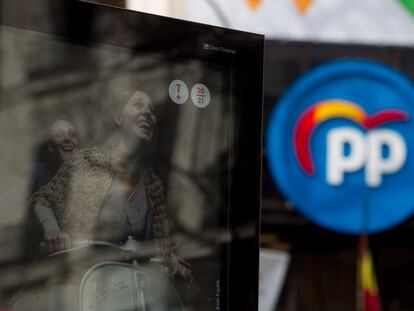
178,91
200,95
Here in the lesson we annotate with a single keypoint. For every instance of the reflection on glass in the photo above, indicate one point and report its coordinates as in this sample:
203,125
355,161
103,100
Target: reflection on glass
114,177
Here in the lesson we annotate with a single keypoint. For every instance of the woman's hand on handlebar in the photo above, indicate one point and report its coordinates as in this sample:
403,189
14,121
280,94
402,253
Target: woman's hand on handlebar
185,269
57,241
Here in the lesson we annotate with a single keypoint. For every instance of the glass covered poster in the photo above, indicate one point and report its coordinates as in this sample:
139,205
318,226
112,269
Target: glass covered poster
121,160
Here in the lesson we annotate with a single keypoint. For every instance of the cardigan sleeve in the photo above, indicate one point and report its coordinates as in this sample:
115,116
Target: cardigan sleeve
46,218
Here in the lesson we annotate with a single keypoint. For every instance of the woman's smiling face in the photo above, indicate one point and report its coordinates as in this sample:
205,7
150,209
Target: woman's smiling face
137,118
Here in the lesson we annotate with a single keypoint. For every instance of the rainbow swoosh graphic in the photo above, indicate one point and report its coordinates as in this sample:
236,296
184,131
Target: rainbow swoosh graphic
334,109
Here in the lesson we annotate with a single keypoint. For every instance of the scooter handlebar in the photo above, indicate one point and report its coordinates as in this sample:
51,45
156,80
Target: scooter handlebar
133,250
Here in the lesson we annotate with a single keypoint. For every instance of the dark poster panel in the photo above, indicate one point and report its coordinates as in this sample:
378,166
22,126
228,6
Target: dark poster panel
126,149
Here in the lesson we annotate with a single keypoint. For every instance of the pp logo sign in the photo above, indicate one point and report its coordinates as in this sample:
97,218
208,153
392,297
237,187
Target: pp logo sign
365,149
341,139
365,152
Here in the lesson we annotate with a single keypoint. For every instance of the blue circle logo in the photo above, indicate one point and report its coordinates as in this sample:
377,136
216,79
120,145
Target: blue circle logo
340,145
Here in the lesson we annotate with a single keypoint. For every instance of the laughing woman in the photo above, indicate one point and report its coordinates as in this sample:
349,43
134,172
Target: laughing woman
108,193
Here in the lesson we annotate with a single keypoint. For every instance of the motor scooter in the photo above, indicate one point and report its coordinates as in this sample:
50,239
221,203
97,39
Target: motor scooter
121,277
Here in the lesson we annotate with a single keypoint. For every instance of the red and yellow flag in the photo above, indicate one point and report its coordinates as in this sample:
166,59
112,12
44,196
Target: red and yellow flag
367,296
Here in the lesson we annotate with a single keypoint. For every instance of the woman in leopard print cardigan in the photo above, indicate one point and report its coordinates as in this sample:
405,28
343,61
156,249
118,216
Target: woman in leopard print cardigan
78,192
